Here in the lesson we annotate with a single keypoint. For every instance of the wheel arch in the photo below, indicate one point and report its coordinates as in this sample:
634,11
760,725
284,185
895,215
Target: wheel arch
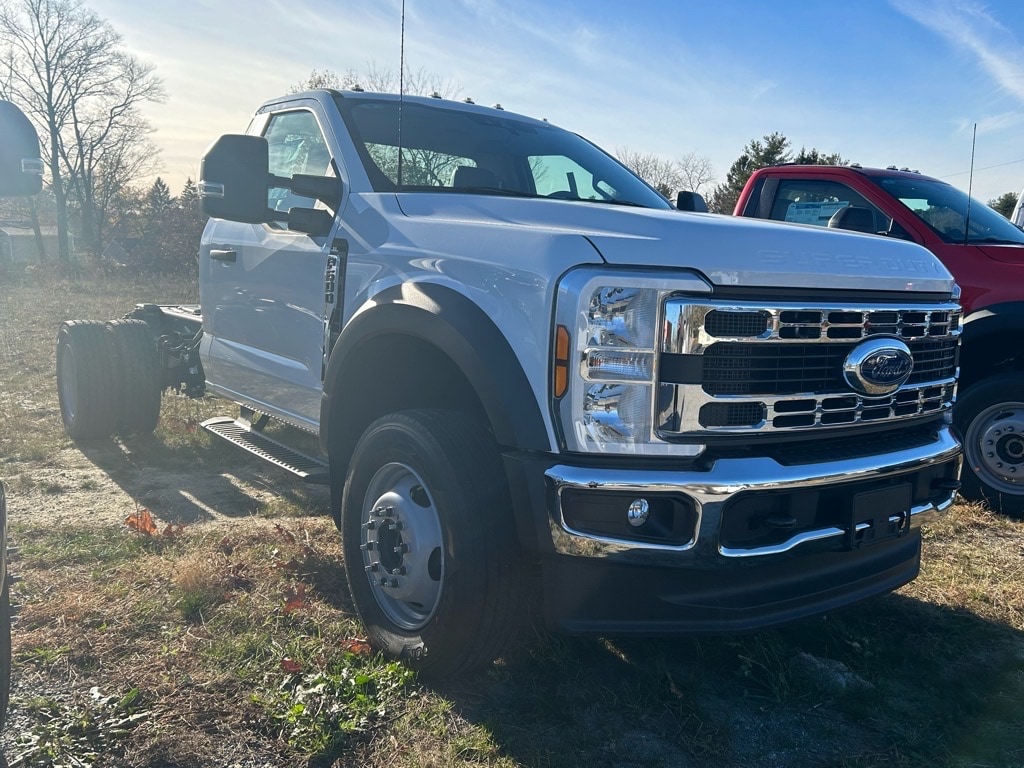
992,342
424,345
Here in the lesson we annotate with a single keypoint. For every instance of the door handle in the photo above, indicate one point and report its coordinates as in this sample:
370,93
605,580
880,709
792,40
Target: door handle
222,254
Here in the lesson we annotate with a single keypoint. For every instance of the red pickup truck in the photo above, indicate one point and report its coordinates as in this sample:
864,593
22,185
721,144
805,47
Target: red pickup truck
985,253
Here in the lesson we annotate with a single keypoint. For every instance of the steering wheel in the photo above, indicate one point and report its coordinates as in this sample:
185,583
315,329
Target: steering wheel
561,194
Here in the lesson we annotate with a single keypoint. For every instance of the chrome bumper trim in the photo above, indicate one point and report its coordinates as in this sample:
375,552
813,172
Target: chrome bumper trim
726,478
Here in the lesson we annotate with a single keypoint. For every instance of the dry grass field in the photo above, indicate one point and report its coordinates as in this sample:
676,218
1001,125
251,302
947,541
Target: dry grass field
221,633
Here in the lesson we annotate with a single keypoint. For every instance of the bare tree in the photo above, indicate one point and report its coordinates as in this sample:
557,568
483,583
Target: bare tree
659,173
418,82
689,172
695,171
66,66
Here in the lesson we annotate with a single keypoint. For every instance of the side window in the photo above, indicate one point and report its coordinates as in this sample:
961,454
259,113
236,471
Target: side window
297,145
826,204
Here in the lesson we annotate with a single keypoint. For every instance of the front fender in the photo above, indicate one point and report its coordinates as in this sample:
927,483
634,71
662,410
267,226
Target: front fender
449,321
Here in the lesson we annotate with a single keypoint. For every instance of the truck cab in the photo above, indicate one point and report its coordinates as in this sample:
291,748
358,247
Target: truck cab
985,253
533,382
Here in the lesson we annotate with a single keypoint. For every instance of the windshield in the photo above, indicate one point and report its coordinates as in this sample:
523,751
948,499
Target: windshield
943,207
457,150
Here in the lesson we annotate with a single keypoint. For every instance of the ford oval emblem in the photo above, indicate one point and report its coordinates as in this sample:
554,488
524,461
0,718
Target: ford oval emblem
878,366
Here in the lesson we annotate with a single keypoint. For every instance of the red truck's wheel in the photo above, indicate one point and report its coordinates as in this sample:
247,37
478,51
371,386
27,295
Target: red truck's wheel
430,547
86,380
990,418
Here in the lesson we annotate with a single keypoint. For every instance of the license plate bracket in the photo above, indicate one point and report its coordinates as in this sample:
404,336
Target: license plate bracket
878,515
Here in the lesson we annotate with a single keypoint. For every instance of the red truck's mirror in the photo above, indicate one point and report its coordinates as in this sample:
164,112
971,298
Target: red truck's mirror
234,177
21,169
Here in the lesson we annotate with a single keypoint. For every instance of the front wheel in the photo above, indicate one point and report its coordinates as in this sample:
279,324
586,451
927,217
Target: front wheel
430,546
990,419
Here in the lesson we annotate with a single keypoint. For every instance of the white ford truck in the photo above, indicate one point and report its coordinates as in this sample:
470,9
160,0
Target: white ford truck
537,383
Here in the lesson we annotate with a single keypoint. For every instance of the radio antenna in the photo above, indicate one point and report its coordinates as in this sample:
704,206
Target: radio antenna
970,184
401,95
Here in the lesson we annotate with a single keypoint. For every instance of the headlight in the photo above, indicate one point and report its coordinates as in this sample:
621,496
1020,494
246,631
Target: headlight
604,386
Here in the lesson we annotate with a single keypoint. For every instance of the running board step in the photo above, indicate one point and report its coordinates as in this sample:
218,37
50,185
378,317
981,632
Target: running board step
310,469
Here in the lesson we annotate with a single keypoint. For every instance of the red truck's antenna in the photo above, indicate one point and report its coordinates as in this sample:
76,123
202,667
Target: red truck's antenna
970,185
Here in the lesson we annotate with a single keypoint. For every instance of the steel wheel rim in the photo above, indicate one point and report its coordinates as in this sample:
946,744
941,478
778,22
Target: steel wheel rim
402,546
994,445
68,383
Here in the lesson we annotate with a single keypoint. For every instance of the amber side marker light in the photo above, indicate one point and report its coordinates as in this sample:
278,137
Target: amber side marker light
561,368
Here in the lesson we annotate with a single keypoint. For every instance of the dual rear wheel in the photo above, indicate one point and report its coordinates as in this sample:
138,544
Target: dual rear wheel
108,378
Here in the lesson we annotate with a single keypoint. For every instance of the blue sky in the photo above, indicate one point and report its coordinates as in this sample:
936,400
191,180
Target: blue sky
882,82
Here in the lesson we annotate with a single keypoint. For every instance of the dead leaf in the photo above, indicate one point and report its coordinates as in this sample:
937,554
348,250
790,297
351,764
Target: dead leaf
295,599
284,533
174,529
291,666
141,521
357,646
291,566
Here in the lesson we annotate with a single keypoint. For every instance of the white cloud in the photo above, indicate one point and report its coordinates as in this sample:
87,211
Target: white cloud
969,26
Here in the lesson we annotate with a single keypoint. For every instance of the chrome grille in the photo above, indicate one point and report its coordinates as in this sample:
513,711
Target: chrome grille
751,369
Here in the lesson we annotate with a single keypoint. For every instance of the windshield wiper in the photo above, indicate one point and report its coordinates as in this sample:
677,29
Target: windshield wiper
629,203
494,191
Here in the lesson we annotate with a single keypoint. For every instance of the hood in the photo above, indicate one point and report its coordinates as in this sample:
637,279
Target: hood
725,249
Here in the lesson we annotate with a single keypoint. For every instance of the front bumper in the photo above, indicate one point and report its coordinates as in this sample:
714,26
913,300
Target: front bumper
746,543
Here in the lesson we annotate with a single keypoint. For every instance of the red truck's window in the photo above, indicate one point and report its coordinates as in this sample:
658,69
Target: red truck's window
826,204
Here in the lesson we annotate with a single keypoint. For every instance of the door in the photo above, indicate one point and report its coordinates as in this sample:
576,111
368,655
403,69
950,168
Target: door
264,289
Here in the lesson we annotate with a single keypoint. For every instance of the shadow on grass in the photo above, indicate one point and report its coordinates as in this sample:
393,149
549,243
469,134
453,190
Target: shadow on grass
894,681
198,480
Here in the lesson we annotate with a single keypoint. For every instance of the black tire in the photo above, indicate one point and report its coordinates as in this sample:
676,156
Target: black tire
86,380
138,376
5,618
426,507
990,419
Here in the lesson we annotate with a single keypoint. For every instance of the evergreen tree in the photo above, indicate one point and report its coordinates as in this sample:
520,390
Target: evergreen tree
159,199
772,150
1004,204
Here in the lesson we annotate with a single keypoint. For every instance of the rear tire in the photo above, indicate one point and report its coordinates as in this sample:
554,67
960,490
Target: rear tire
430,546
5,619
137,375
990,419
86,380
